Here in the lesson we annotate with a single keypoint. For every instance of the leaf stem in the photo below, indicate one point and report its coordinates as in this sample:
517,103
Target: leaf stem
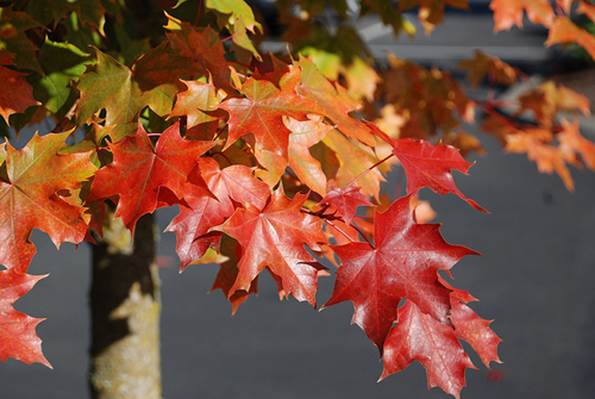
340,230
369,169
361,233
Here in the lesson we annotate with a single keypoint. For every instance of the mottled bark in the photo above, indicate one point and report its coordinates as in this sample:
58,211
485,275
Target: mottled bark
125,310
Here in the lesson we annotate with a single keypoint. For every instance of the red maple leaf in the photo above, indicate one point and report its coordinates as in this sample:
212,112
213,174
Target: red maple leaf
332,101
204,211
195,102
269,68
429,165
193,222
236,182
275,238
403,263
261,112
18,339
17,94
418,336
476,331
345,201
40,191
139,171
227,275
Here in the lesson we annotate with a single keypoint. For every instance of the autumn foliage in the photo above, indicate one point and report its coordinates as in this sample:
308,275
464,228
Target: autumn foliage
274,162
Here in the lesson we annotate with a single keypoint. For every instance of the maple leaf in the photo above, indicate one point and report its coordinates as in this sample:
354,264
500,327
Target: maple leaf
204,211
269,68
549,159
15,26
342,234
164,65
549,98
236,182
62,64
476,331
110,85
200,49
356,163
508,13
586,9
228,273
261,112
16,94
188,53
226,276
482,65
564,30
499,126
418,336
39,190
139,171
305,134
193,222
429,165
332,102
18,339
465,142
241,19
573,143
427,100
403,263
362,80
345,201
431,13
194,103
48,12
275,238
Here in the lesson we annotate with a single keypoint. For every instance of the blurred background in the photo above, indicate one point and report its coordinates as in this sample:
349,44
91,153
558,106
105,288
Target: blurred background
535,277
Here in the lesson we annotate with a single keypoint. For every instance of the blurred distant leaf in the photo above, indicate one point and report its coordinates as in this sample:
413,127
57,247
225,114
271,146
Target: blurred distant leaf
509,13
482,65
565,31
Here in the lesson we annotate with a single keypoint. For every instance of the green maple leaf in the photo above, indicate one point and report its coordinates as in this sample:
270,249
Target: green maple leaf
110,85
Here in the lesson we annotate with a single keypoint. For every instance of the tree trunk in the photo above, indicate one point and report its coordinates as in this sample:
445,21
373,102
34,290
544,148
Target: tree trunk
125,310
